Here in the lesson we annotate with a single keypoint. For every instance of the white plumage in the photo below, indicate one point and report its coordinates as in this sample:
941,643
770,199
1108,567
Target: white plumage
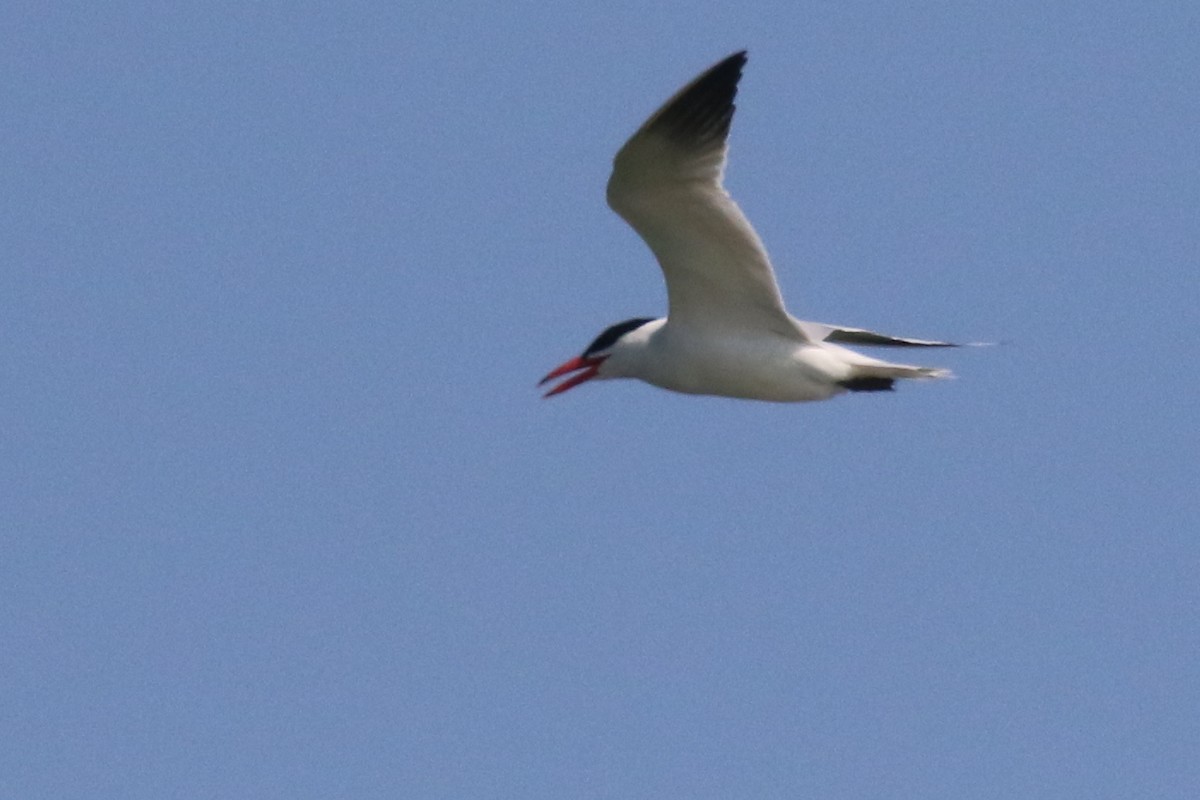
727,331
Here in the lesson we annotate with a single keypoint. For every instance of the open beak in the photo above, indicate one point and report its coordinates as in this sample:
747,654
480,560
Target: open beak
590,367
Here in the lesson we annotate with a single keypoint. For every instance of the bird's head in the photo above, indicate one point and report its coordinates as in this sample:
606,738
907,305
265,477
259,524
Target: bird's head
616,340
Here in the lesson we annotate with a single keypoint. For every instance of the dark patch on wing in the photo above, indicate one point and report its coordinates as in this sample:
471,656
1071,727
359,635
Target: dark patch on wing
703,110
853,336
614,332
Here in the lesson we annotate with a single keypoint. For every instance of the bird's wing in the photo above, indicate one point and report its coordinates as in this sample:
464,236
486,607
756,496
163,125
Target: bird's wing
666,183
840,334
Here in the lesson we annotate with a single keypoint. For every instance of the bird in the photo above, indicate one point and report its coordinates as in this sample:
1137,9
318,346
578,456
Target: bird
727,332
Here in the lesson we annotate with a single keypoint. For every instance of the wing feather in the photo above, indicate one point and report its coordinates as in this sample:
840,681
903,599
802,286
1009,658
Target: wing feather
841,334
667,184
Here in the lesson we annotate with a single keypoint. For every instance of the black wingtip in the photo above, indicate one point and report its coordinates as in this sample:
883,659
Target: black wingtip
702,111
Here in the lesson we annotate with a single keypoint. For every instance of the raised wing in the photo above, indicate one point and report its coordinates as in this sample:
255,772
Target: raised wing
666,183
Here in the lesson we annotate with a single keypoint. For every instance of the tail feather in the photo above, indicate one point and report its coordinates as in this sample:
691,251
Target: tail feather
868,384
879,377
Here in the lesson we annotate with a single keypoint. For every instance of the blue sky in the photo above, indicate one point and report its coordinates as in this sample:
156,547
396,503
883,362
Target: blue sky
286,517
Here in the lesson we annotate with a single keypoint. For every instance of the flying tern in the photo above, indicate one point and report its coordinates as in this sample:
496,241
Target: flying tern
727,332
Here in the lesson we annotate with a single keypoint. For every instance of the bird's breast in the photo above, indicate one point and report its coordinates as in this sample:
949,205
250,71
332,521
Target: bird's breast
766,368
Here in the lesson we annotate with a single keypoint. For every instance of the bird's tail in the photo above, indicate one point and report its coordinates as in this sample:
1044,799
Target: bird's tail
880,375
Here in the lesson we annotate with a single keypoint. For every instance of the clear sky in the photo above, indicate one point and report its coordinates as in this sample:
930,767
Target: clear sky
284,515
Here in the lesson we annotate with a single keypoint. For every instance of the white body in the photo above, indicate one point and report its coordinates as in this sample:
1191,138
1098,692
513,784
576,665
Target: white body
751,366
727,332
